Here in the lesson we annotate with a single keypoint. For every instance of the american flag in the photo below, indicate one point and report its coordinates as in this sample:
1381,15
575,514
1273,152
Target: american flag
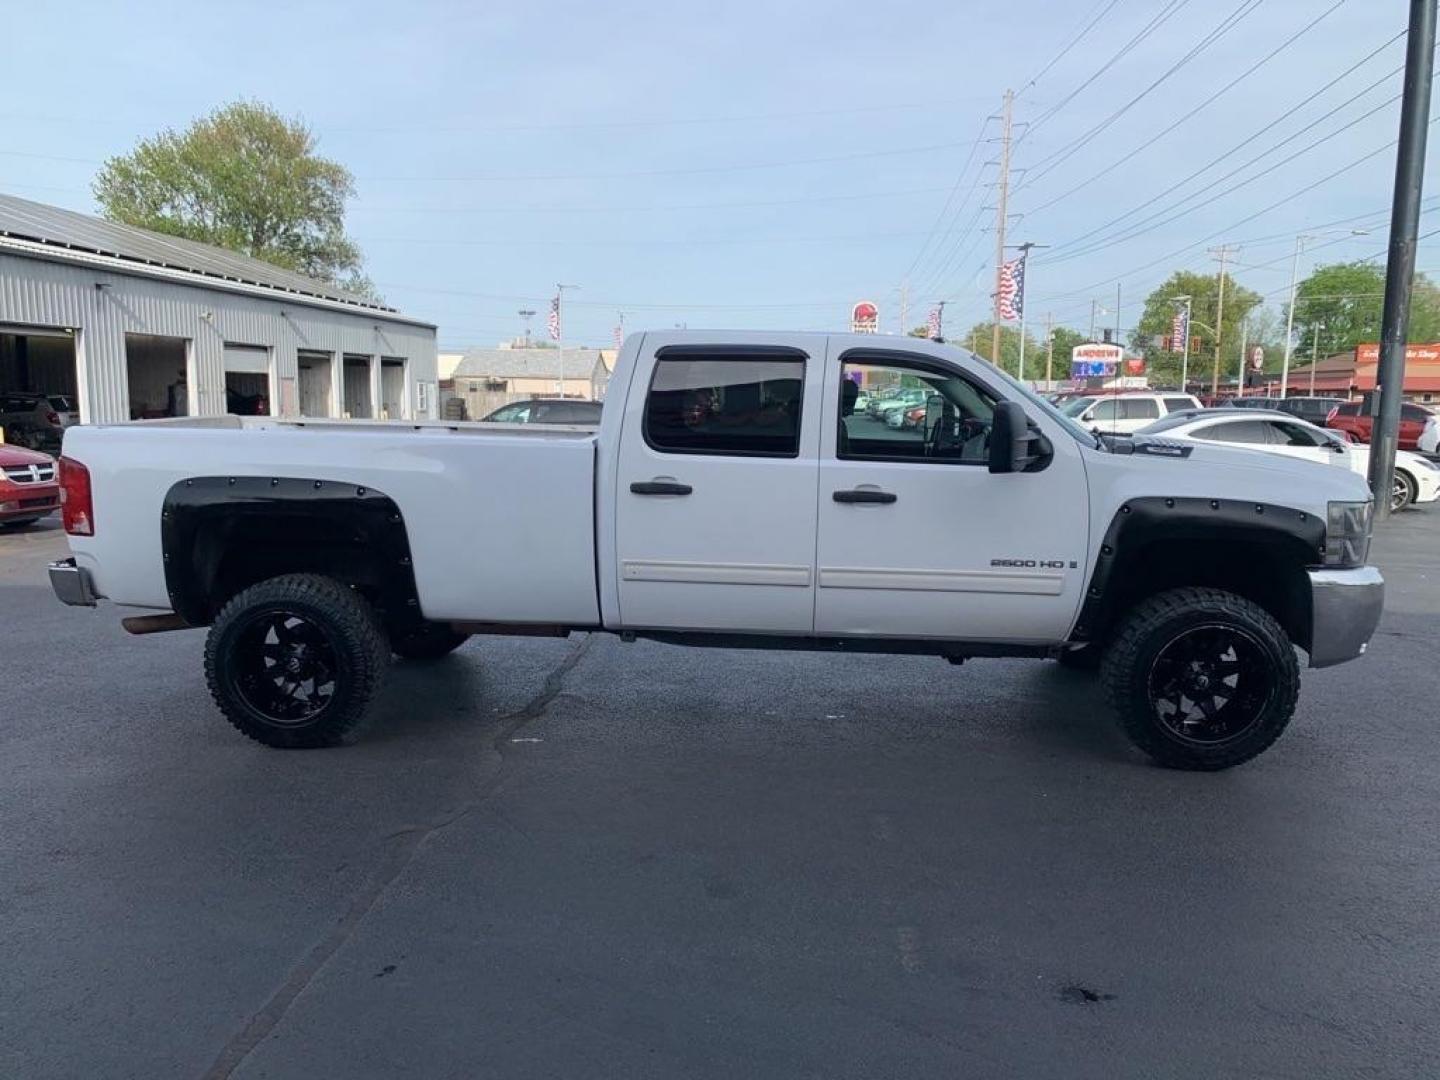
933,324
1180,331
553,322
619,335
1012,290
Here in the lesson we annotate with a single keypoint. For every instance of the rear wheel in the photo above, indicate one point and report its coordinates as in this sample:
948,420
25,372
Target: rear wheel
1402,492
429,641
294,662
1201,678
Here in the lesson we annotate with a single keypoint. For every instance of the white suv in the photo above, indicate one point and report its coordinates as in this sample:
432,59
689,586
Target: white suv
1126,413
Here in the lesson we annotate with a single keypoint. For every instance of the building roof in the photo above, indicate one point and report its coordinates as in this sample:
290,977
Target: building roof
21,219
525,363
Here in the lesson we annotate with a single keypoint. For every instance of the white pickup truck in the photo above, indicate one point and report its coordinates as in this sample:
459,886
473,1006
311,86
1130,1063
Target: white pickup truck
732,496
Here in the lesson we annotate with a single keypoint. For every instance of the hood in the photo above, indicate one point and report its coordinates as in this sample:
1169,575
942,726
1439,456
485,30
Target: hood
1285,473
18,455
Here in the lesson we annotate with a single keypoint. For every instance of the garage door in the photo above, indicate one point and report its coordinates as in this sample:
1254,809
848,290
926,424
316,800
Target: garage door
247,359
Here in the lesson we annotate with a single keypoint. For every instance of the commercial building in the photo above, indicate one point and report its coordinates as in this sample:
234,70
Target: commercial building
132,324
1354,373
485,379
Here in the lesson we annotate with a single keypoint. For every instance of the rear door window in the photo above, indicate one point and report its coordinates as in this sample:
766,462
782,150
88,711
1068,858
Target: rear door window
1177,404
739,406
1235,431
1139,409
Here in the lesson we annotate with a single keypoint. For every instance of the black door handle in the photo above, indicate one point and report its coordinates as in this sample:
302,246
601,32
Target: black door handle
864,495
659,487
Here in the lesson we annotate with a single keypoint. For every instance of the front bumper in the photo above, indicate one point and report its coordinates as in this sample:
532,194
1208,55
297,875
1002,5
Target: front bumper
1345,609
71,584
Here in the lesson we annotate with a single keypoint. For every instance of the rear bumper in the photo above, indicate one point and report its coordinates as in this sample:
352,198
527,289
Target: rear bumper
71,584
1345,608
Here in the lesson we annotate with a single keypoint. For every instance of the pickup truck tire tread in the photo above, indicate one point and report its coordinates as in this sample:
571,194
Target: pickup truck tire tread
1142,635
428,642
354,633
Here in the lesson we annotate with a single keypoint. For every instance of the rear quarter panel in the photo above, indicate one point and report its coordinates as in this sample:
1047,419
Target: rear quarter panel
500,523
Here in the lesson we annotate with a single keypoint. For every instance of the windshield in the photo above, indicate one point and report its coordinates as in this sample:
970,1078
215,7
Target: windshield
1076,406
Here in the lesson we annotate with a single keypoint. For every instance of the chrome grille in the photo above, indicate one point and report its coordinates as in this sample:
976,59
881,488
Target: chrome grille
30,474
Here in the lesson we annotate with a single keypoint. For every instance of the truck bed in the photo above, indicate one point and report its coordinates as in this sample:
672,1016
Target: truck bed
479,502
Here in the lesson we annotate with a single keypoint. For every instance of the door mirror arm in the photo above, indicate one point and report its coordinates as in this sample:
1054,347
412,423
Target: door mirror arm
1015,445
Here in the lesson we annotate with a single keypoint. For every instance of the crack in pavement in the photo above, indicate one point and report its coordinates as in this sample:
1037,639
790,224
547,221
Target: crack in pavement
402,846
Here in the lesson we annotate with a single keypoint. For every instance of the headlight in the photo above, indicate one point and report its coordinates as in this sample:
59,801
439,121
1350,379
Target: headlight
1347,532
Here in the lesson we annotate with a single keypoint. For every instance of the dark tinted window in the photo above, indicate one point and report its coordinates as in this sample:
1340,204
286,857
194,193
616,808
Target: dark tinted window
1174,404
1414,412
1350,408
717,405
1283,433
1139,409
1235,431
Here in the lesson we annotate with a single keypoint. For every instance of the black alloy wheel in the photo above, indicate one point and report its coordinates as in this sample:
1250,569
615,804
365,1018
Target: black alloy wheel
284,666
1210,683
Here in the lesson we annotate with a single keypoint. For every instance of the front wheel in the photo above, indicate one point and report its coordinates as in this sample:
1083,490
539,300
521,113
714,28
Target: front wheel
294,662
1201,678
1402,492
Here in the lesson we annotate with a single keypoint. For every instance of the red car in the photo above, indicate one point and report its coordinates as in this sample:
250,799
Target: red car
29,488
1352,417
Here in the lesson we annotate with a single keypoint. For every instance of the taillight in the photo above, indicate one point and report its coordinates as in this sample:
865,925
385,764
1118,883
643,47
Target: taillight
77,509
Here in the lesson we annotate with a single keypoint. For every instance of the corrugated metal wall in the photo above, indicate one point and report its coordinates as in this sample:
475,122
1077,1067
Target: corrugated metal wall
38,292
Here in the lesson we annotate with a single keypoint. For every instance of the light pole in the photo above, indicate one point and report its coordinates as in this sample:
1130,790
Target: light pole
560,328
1300,239
1314,355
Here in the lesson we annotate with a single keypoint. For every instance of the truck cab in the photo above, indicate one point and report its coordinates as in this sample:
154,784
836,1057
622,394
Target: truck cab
733,495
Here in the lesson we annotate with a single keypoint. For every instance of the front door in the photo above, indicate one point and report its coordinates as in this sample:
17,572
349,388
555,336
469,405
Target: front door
715,517
918,539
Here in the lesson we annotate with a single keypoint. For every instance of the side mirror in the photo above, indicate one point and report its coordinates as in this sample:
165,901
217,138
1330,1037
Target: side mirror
1014,447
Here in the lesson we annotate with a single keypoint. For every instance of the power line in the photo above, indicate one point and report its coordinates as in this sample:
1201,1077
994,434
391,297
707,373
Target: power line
1173,126
637,209
1156,220
959,177
1047,164
1075,39
1171,8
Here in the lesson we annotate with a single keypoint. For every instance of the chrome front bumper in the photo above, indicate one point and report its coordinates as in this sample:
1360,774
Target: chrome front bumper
1344,611
71,584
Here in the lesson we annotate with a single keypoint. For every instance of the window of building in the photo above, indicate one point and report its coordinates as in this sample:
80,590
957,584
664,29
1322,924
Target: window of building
740,405
912,414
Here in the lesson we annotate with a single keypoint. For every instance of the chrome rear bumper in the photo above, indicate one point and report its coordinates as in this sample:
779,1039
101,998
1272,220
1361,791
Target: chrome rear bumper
1345,609
71,584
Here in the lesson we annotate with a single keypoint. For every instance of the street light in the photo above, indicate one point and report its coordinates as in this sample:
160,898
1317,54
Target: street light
1290,316
1189,322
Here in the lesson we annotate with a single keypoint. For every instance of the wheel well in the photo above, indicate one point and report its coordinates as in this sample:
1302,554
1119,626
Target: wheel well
221,535
1266,573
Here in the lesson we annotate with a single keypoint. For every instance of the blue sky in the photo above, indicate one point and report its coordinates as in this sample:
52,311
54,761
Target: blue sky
745,164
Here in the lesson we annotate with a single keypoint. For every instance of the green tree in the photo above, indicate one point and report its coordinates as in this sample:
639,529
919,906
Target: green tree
923,330
243,178
1345,301
982,336
1163,365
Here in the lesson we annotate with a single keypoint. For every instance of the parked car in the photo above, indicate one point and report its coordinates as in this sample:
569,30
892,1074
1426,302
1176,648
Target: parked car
1311,409
30,420
862,402
1008,531
907,398
65,408
1417,423
1126,412
547,411
29,489
1272,431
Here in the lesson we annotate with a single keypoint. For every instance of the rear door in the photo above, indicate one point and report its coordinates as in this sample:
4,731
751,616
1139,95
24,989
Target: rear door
715,515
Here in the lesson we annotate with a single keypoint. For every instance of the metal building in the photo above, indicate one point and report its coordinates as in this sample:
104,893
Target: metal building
123,323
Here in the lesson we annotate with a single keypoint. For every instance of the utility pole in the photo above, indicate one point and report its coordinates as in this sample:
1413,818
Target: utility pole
1117,313
1400,264
1002,210
1223,254
1093,308
940,322
1244,340
904,308
1049,350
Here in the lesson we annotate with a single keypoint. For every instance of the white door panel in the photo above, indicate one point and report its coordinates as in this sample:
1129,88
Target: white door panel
736,552
959,553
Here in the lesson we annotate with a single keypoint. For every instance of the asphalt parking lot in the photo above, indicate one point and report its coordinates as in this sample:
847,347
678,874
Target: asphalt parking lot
586,858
